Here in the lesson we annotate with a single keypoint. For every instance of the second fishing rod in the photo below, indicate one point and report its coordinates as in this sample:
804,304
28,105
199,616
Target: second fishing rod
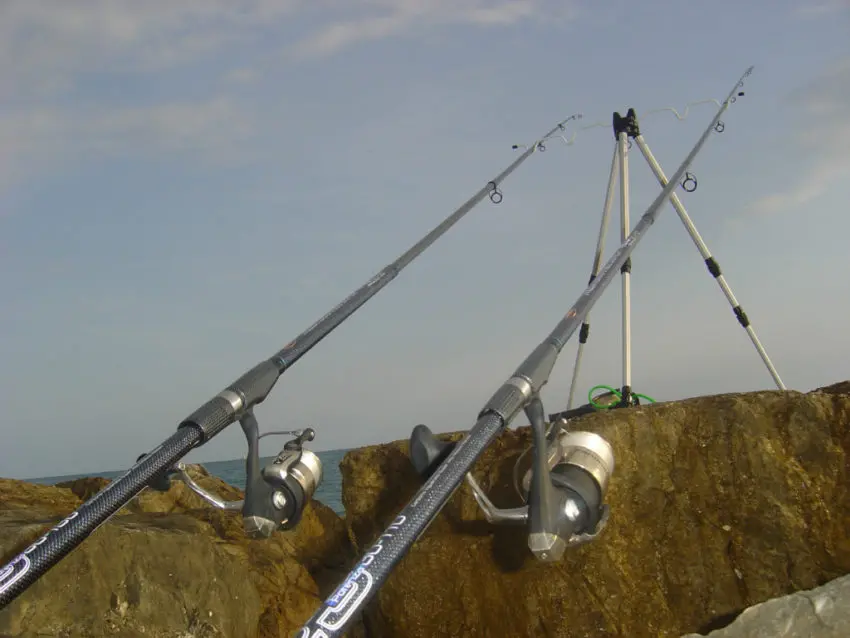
272,497
564,510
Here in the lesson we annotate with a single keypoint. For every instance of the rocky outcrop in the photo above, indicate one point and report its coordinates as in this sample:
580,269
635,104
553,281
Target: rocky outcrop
169,565
718,503
843,387
823,612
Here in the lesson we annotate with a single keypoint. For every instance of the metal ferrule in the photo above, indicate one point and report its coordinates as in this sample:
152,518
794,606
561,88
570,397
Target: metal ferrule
236,400
509,399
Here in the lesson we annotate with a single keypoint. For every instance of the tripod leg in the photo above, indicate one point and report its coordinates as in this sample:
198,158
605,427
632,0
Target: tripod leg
710,262
584,332
625,271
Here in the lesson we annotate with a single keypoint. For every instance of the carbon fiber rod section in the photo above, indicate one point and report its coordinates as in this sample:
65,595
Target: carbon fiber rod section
23,570
340,609
213,416
319,330
253,387
337,612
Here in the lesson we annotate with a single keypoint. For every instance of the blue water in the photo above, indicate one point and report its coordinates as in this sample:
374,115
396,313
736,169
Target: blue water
329,491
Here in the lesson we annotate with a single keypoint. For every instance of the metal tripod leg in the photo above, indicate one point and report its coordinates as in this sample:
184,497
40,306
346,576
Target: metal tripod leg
710,262
625,271
584,332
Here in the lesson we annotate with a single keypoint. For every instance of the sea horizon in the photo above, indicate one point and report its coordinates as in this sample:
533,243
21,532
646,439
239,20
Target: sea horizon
118,472
232,472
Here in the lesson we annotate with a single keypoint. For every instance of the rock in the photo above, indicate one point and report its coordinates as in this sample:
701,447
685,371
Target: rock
836,388
718,503
86,487
154,577
169,565
823,612
20,495
180,498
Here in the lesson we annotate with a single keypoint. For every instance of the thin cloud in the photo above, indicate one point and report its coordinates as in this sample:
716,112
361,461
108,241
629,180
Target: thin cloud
333,38
44,44
49,48
809,188
401,16
242,76
38,139
819,9
824,137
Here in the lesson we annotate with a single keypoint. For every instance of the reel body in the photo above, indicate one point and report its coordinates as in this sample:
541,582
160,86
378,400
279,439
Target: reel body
565,487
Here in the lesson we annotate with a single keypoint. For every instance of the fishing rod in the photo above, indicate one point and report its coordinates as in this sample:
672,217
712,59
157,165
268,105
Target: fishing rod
275,495
570,470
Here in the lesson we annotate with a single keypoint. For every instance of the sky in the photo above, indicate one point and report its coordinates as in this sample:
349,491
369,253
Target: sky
186,186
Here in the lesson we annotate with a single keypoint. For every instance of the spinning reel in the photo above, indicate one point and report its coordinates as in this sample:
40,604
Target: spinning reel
564,488
275,496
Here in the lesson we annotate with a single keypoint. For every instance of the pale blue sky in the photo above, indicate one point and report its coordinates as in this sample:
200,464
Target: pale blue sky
185,187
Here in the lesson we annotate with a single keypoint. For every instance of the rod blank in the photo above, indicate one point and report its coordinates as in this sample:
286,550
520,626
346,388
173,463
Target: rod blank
336,613
221,411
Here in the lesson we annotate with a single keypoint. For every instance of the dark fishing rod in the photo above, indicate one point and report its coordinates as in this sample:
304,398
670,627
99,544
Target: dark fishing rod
275,495
520,392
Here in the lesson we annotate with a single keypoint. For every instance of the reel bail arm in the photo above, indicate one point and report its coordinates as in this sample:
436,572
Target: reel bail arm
209,497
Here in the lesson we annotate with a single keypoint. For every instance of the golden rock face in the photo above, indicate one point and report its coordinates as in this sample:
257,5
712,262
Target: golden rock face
718,503
169,565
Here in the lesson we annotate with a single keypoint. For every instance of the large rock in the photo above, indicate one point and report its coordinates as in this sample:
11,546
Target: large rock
823,612
842,387
169,565
718,503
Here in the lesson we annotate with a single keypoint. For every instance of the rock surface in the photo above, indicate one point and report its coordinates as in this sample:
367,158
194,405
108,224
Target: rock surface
167,565
842,387
823,612
718,503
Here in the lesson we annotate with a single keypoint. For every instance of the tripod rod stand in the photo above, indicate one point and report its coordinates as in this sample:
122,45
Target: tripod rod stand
627,129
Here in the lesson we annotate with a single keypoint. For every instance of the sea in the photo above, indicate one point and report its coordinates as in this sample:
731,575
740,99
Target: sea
329,491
